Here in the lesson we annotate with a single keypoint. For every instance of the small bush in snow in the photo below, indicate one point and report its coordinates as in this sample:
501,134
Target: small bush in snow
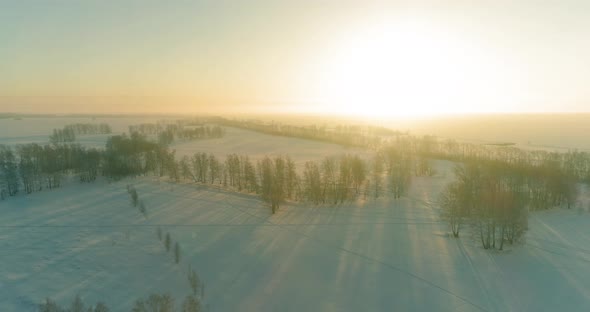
142,209
167,242
49,306
155,302
191,304
76,306
193,280
176,252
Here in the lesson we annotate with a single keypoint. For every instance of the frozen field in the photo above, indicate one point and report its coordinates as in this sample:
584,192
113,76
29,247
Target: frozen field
376,256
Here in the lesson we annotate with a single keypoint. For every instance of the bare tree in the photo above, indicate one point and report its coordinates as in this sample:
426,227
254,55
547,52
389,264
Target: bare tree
167,242
191,304
176,252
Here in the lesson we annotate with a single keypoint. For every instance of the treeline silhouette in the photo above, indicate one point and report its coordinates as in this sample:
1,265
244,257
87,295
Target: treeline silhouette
33,167
189,129
276,179
69,132
88,128
347,135
541,163
333,180
574,164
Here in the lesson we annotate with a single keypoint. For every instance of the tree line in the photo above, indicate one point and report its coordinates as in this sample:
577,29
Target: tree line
34,167
333,180
572,165
69,132
167,133
89,128
347,135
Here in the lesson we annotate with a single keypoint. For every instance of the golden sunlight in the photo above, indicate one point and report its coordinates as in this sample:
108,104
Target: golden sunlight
409,68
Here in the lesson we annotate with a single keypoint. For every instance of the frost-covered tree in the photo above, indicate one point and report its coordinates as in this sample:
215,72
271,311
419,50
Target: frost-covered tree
312,182
377,173
452,209
329,179
214,169
492,197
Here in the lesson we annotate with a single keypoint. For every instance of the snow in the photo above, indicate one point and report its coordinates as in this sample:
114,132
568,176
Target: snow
378,255
38,129
257,145
373,255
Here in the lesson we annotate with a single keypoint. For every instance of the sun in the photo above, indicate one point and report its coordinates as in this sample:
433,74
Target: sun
406,69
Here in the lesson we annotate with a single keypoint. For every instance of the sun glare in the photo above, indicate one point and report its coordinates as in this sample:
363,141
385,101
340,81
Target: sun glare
407,69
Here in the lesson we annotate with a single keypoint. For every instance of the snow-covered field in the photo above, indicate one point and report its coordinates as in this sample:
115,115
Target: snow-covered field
38,130
257,145
380,255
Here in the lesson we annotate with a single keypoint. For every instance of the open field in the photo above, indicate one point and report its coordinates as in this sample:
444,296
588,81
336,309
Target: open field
379,255
257,145
366,255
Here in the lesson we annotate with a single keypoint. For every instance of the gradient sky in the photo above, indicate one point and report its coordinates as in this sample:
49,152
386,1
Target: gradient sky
188,56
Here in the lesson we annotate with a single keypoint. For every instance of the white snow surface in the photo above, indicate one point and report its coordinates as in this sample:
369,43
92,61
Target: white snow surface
378,255
38,129
257,145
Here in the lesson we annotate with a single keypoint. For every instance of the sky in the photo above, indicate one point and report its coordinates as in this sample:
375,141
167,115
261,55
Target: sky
355,57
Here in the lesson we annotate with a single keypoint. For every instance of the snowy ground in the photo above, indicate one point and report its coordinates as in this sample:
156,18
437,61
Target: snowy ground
38,130
377,255
257,145
380,255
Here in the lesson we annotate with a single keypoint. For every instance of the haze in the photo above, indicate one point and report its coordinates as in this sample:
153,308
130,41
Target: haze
305,155
383,58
